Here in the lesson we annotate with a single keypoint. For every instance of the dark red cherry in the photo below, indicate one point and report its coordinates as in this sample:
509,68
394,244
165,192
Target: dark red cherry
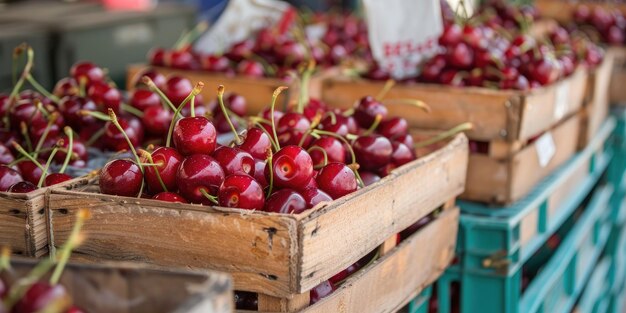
22,187
415,227
198,173
88,71
56,178
177,88
6,156
241,191
236,104
393,127
335,151
8,177
545,71
105,96
452,35
169,197
66,87
194,135
372,152
291,128
341,276
257,143
143,99
70,107
40,296
215,63
460,56
321,291
157,120
401,154
31,172
121,178
241,50
234,161
292,167
285,201
167,161
313,196
340,125
336,179
114,139
367,110
156,56
259,172
369,177
180,59
157,78
78,148
251,68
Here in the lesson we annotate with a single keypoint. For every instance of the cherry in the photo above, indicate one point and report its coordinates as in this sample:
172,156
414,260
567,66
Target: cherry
6,156
105,96
367,110
581,14
545,71
256,142
70,107
56,178
401,154
393,127
241,50
215,63
234,161
290,52
236,104
334,149
339,277
156,120
8,177
433,67
377,73
143,99
121,178
415,227
285,201
31,172
157,78
75,309
221,124
615,35
321,291
88,71
559,36
259,172
368,177
22,187
473,36
372,152
157,56
65,87
169,197
78,148
39,297
251,68
337,180
180,59
452,35
460,56
292,167
340,125
313,196
114,139
199,173
194,135
166,160
177,88
241,191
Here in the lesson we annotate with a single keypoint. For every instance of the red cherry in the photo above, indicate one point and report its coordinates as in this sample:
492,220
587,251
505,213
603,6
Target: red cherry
196,173
177,89
65,87
401,154
241,191
415,227
194,135
368,177
234,161
366,111
334,149
285,201
70,107
393,127
339,277
236,104
121,178
157,120
32,173
241,50
340,125
581,14
321,291
114,139
180,59
251,68
8,177
314,196
40,296
460,56
75,309
157,78
105,96
88,71
337,180
156,56
256,142
259,172
6,156
545,71
292,167
22,187
473,36
372,152
452,35
167,161
169,197
143,99
291,128
78,148
56,178
215,63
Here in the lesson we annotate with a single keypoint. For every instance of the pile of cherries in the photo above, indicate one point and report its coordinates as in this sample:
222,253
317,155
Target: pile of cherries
277,50
602,24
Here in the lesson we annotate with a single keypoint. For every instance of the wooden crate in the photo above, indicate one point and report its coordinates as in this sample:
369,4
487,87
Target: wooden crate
503,115
596,107
23,222
509,170
281,255
562,11
617,90
257,91
125,288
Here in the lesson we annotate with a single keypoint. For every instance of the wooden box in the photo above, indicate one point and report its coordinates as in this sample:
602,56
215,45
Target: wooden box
618,89
503,115
279,255
125,288
563,11
596,108
257,91
23,222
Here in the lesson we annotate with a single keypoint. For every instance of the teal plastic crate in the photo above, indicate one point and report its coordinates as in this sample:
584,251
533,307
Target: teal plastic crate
555,289
420,303
496,241
596,297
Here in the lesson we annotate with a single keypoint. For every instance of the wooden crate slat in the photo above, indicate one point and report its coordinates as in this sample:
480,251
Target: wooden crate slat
562,10
617,90
597,105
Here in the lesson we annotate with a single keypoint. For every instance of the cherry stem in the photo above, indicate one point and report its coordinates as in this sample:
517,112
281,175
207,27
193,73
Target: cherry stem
70,148
444,135
51,119
274,143
413,102
208,196
220,100
21,150
270,157
44,172
333,117
193,106
25,72
24,131
196,90
320,149
357,175
374,125
5,258
73,240
132,110
148,157
115,122
348,145
41,89
272,109
316,121
153,87
19,288
82,86
303,100
383,92
98,115
191,35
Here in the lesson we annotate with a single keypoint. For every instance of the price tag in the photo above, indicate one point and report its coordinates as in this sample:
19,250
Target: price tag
403,33
560,100
240,20
545,149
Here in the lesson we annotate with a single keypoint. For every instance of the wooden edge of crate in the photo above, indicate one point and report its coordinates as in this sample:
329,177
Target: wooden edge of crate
396,278
617,91
189,290
596,107
562,11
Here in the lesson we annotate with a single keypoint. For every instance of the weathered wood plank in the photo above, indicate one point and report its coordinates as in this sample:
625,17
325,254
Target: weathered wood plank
617,90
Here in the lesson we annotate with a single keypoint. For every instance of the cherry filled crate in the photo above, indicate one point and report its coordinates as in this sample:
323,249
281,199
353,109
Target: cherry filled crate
505,126
138,288
283,256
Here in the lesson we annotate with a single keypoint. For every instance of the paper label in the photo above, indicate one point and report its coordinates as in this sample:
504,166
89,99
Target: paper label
240,20
403,33
545,149
560,100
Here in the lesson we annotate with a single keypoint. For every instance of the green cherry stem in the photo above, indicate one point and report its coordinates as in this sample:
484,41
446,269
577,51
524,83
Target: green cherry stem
5,258
153,87
413,102
73,240
41,89
272,109
21,150
270,157
24,131
211,198
444,135
383,92
51,119
196,90
220,99
145,154
48,163
114,121
70,148
25,72
320,149
132,110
